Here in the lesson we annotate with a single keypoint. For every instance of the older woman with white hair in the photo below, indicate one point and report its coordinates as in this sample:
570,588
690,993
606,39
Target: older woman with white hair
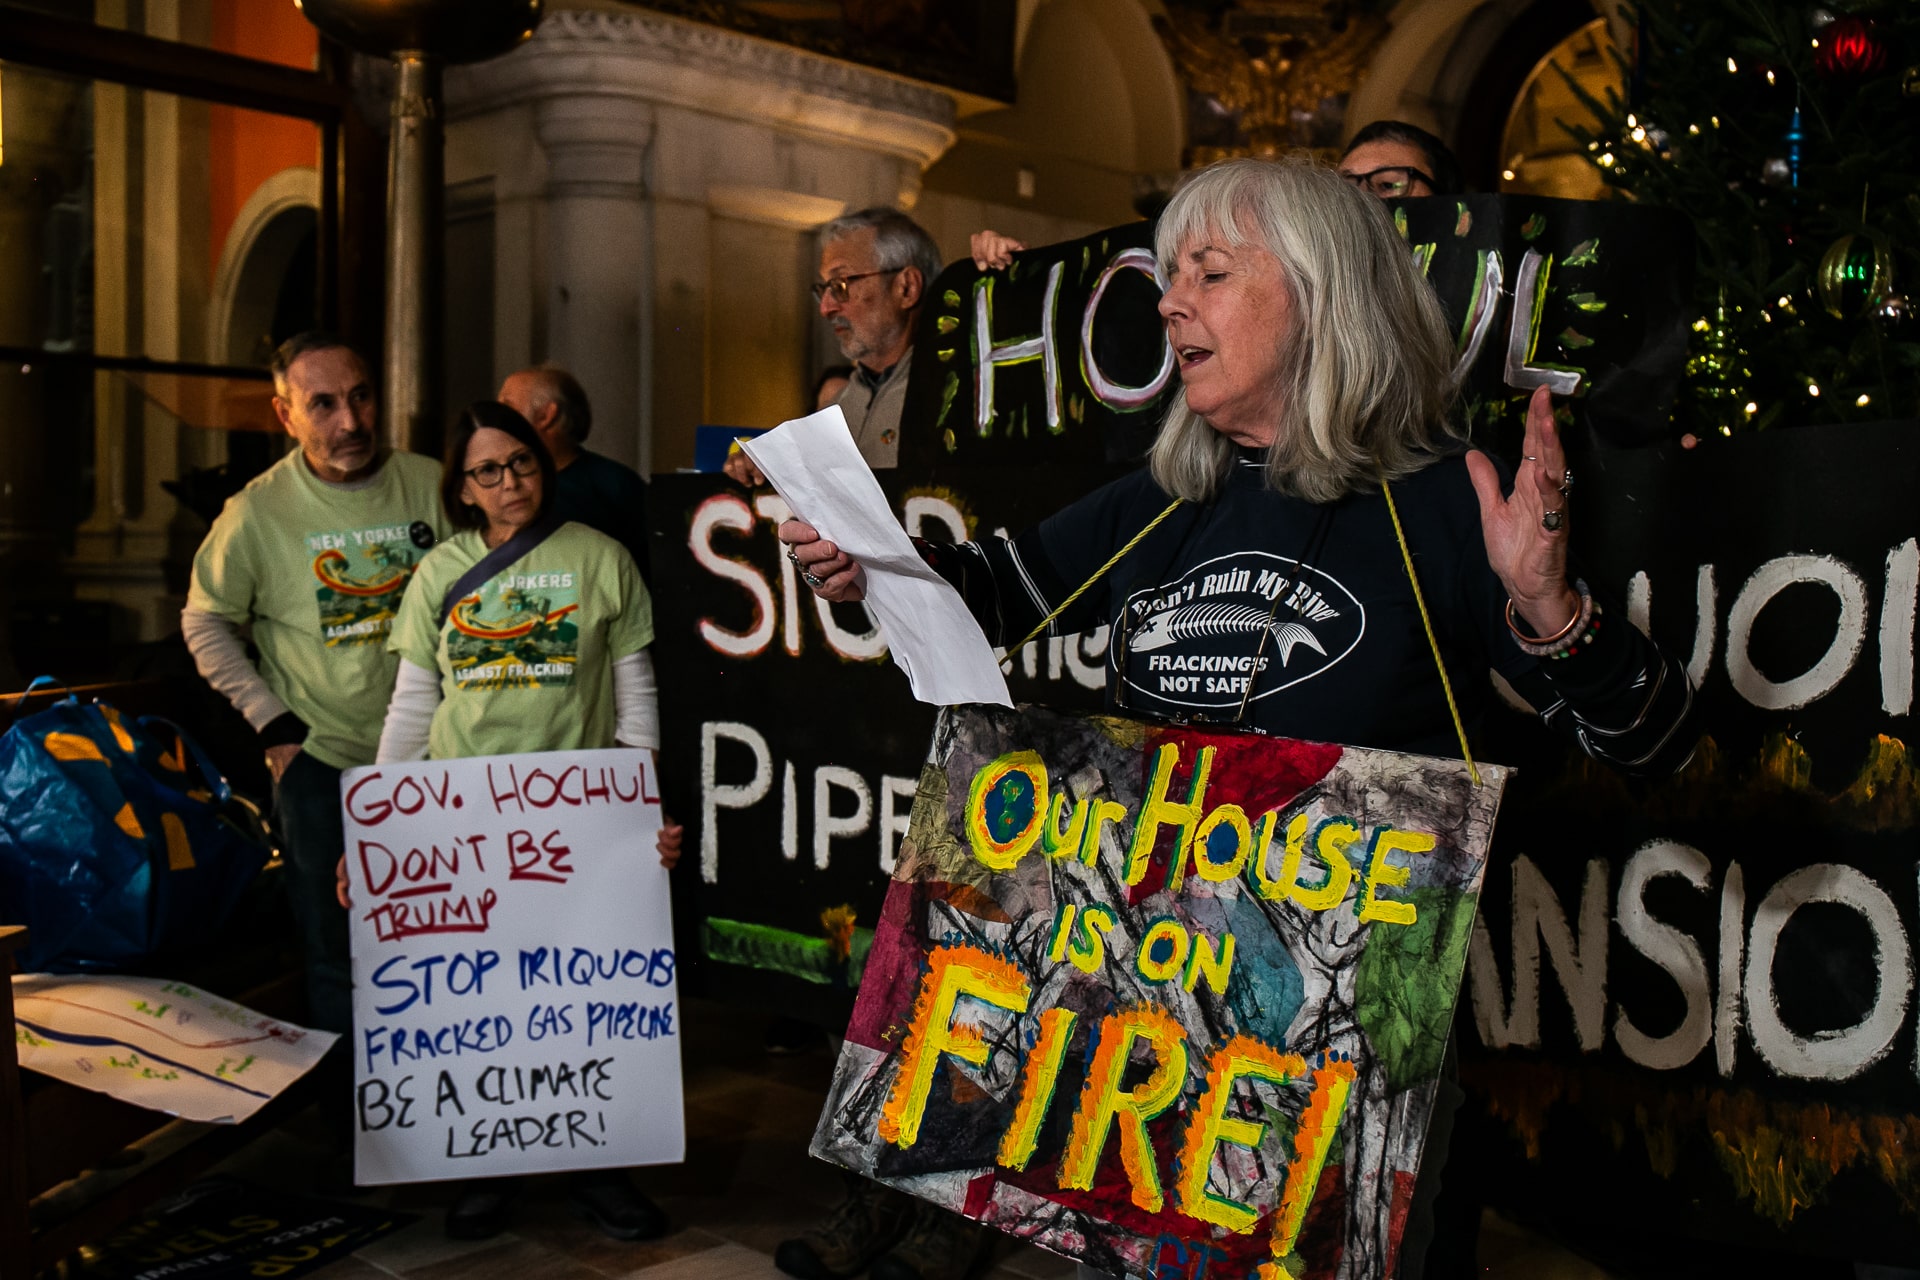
1313,551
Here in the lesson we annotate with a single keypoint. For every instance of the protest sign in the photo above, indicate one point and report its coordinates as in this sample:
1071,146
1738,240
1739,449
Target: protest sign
1060,357
162,1045
1696,997
1586,297
1140,991
515,1003
1056,358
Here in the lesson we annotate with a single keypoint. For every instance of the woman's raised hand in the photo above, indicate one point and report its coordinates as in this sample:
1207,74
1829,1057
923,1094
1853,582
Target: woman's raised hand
1526,531
831,572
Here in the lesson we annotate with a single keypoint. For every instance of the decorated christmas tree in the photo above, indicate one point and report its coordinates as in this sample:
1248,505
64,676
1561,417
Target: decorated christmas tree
1790,134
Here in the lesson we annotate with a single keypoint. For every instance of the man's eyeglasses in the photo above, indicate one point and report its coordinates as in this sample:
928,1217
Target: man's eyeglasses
840,286
1393,180
488,475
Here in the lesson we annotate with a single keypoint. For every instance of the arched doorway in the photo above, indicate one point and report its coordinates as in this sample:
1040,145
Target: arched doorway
274,287
1516,60
265,291
275,296
1538,156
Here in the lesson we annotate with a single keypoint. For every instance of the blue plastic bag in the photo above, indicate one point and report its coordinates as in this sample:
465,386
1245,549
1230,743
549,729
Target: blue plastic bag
114,841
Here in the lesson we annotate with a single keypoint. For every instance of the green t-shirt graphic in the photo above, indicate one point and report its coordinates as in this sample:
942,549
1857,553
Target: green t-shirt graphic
319,571
526,662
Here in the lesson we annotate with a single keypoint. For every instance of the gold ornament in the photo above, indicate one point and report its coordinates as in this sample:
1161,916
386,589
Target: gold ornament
1855,275
1271,64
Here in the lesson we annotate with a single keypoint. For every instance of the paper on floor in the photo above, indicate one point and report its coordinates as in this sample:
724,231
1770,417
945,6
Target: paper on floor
814,465
161,1045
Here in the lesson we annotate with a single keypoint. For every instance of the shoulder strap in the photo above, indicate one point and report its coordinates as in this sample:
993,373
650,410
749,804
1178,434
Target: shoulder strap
1098,574
1433,642
496,560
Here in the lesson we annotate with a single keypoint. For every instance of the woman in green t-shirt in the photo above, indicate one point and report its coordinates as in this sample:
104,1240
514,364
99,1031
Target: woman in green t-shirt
547,651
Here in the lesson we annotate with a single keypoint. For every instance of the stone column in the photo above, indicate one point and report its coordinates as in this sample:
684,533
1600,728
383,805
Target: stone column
599,259
687,166
416,260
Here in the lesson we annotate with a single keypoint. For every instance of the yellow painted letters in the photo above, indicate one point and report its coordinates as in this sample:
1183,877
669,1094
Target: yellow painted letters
1241,1058
952,972
1102,1101
1037,1078
1158,811
1379,871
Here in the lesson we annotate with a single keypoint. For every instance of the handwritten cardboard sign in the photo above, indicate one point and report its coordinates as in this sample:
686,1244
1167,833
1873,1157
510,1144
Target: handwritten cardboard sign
162,1045
1156,998
515,1004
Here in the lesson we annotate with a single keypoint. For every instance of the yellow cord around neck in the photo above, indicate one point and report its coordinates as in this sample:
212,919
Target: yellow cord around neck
1419,598
1098,574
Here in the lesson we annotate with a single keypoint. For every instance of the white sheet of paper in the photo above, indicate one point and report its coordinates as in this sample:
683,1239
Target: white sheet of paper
814,465
515,1008
161,1045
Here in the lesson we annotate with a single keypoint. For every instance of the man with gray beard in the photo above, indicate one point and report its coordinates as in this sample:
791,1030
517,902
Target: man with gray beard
876,266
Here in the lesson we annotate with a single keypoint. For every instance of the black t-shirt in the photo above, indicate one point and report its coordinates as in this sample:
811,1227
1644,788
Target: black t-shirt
1294,618
603,495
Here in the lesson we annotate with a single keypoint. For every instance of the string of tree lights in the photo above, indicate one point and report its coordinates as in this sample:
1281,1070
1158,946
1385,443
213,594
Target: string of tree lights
1787,133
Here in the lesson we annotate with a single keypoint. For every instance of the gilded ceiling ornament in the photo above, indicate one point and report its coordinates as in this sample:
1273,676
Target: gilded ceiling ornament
1268,76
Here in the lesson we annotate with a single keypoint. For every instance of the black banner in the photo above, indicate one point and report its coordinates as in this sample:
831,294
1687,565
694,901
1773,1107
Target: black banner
1698,994
1056,359
1585,297
1059,358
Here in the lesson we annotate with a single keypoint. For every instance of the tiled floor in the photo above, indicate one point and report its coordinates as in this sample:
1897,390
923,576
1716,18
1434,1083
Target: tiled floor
747,1184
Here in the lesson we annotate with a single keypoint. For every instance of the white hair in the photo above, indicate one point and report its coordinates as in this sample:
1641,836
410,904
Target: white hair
1366,363
898,241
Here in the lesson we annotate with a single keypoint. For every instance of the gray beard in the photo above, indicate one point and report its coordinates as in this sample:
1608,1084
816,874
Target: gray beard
857,351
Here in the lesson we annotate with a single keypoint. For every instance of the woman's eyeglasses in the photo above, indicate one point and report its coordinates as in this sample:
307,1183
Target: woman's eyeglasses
488,475
1393,180
840,286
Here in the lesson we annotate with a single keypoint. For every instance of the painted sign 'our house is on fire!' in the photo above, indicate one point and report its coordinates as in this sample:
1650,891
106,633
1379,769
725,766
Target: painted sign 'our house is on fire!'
1141,992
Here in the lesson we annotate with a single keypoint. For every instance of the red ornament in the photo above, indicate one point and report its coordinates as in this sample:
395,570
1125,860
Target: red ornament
1850,48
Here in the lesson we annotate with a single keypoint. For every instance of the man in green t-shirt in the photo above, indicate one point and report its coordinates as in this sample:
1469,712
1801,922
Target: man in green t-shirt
314,556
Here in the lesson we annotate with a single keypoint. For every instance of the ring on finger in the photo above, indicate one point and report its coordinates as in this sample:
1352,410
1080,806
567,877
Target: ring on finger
811,580
793,557
1566,481
1553,521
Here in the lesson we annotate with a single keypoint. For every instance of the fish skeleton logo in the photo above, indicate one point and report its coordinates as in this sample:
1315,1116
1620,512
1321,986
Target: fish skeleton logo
361,574
1236,628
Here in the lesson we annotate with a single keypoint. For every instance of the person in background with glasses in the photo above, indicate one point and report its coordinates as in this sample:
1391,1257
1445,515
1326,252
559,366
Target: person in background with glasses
1388,158
1259,572
1391,158
547,653
875,269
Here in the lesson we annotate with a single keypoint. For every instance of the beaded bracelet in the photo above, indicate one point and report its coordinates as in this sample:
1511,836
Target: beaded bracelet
1583,628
